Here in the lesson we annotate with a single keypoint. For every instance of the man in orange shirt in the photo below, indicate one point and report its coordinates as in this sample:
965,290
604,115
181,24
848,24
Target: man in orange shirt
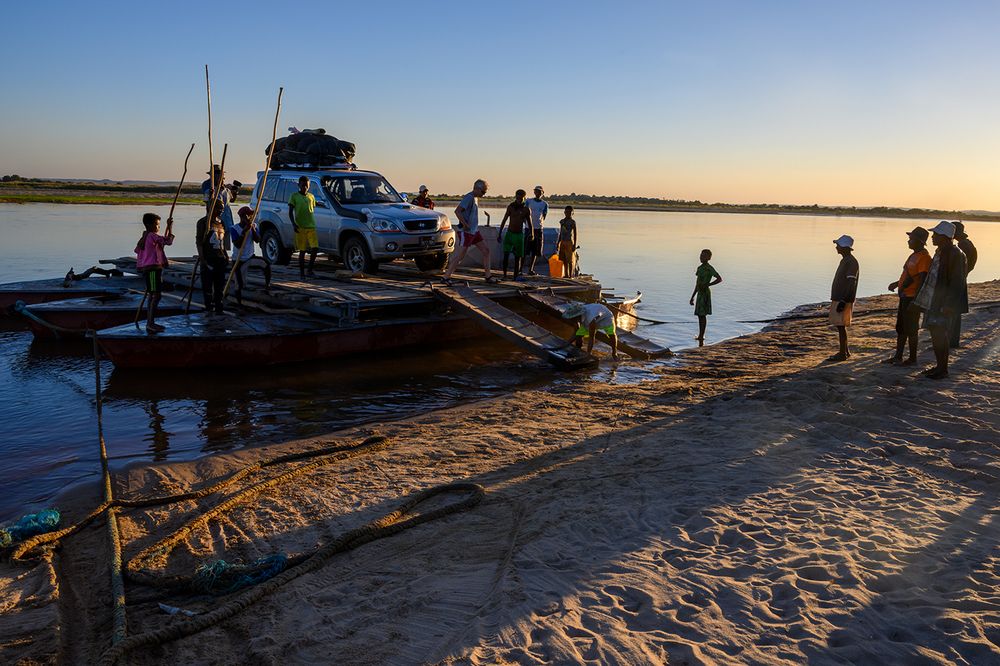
908,316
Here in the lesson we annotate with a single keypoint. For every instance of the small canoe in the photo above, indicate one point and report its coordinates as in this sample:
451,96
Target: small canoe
75,316
249,340
58,289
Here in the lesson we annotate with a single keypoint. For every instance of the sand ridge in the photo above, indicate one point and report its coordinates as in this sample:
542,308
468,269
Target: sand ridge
753,505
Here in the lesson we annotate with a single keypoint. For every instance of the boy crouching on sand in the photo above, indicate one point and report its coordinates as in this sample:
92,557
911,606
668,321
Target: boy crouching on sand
592,317
243,251
150,261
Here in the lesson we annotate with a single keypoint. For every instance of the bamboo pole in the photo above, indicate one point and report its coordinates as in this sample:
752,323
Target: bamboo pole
211,158
260,194
211,175
208,225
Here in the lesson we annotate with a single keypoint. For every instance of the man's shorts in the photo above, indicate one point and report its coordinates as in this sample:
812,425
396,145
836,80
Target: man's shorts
584,332
842,318
468,240
514,242
305,239
534,246
153,277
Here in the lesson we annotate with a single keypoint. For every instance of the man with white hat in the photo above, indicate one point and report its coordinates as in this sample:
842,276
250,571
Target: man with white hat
843,292
945,294
592,317
422,199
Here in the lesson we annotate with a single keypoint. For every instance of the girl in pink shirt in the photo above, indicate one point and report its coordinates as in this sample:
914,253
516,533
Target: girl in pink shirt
151,260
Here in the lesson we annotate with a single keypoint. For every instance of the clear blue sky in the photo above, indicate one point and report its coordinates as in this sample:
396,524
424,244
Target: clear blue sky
798,102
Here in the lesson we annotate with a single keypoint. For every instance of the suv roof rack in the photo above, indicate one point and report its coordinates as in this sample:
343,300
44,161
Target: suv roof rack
339,166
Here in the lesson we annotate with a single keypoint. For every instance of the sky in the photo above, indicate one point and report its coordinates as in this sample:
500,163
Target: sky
847,103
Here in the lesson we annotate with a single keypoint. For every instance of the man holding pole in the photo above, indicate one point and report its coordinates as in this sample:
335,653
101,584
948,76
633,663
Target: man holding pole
224,196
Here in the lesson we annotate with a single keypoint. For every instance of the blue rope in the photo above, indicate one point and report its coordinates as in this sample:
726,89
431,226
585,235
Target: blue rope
28,526
221,577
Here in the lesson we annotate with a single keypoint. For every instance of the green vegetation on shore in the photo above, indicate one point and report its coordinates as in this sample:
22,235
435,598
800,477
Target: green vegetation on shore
14,189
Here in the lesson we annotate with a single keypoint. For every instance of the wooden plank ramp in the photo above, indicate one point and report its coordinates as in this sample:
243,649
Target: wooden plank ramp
514,328
634,345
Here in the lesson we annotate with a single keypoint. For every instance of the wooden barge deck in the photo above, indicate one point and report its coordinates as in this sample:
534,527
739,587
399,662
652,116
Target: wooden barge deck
336,314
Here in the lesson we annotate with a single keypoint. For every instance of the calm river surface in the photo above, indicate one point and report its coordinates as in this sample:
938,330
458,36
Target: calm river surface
770,264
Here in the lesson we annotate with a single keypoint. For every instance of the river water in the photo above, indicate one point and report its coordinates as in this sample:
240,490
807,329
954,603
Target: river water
769,263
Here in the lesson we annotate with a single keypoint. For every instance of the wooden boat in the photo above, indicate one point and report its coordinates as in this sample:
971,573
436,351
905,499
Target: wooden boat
45,291
75,316
225,340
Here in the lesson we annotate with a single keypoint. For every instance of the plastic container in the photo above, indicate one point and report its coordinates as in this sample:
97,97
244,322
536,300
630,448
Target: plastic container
555,266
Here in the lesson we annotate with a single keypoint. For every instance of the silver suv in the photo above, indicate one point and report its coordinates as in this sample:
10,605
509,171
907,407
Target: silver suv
360,219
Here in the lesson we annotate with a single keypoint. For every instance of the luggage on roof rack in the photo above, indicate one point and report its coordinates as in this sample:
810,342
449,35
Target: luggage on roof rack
311,148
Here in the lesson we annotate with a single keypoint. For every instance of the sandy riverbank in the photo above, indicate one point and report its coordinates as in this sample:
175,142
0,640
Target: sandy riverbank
754,505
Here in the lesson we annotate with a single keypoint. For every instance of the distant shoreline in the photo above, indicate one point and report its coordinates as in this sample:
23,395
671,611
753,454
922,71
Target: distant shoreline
57,192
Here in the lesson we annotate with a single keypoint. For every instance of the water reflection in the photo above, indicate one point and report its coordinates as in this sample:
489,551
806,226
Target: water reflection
159,437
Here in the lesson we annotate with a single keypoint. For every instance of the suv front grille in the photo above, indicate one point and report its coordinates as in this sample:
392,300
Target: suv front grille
421,225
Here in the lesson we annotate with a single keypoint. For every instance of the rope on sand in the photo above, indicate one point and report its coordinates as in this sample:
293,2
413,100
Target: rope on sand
392,523
263,576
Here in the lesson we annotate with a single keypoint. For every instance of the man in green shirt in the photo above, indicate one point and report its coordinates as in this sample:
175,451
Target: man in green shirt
301,207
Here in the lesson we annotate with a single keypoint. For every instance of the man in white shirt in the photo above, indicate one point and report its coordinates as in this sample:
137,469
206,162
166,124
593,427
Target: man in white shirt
539,209
469,235
592,317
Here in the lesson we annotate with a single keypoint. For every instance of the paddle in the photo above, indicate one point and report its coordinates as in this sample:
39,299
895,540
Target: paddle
260,193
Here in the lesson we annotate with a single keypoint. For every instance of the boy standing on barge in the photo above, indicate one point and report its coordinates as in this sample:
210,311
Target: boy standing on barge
150,261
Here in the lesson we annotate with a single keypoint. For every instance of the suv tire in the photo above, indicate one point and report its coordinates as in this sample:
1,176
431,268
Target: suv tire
356,256
273,249
431,262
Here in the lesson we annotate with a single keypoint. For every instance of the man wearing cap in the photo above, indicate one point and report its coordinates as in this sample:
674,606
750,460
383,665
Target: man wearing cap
843,292
422,199
243,251
467,212
592,317
908,315
539,209
971,257
944,294
224,195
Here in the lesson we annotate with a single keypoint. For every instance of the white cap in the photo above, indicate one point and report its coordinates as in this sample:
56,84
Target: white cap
944,228
423,188
844,241
573,310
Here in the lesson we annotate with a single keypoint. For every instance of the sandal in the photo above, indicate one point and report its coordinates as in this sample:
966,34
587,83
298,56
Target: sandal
492,280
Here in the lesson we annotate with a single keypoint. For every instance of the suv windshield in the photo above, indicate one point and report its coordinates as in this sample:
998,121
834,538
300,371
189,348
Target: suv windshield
360,189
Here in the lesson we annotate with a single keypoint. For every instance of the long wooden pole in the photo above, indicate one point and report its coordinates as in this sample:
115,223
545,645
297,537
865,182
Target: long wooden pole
211,158
260,194
170,221
211,175
208,227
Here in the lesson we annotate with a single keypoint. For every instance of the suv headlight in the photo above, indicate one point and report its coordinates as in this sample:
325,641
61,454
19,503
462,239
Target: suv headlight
382,225
444,223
